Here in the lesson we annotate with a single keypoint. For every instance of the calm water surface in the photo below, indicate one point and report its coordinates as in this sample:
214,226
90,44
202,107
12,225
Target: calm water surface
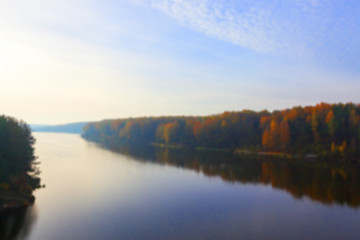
114,192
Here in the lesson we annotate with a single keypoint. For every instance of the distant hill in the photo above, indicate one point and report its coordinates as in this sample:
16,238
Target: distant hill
75,128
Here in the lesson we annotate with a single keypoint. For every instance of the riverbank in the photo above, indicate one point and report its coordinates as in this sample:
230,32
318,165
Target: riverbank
167,145
324,156
237,151
273,154
177,146
12,200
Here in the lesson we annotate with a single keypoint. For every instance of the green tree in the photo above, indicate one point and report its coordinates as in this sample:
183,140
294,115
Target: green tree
17,161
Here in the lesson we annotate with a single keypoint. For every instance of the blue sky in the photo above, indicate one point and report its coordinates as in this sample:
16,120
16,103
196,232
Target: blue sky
66,61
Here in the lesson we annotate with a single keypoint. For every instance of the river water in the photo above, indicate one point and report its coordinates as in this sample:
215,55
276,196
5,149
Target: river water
118,192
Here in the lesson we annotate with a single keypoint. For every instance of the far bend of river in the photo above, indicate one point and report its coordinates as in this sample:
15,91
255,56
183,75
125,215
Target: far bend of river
94,192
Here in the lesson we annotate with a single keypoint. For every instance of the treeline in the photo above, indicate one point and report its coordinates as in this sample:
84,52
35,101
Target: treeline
323,129
18,171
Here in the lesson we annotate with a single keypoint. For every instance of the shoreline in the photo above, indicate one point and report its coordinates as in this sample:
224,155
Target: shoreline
11,200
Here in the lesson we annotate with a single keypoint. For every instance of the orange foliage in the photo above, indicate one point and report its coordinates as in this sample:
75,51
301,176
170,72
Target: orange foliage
197,129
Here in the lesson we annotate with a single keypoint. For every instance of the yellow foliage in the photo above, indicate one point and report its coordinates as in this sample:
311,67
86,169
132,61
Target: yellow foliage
4,186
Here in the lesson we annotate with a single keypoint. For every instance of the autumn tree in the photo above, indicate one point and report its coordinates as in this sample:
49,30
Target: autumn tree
284,140
310,129
170,131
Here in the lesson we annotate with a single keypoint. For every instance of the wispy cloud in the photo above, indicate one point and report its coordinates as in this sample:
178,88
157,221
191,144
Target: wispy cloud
117,59
297,27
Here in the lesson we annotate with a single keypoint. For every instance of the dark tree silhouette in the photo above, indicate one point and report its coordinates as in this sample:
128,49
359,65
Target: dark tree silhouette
18,169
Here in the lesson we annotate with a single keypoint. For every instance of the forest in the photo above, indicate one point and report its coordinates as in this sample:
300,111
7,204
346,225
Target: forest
324,129
18,168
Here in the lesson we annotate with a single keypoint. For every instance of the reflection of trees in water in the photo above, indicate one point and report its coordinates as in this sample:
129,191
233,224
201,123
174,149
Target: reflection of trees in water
16,223
329,183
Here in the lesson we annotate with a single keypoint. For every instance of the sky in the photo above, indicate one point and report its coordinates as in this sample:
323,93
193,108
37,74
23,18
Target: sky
85,60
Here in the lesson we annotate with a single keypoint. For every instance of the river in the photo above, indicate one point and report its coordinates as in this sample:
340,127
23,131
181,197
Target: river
117,192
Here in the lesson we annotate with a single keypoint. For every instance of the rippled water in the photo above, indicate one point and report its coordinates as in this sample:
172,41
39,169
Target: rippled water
117,192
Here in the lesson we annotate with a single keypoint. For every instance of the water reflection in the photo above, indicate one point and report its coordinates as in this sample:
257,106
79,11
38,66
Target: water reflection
328,183
17,223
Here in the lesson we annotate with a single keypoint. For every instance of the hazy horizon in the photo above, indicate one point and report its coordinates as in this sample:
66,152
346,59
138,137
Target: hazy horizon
175,115
76,61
